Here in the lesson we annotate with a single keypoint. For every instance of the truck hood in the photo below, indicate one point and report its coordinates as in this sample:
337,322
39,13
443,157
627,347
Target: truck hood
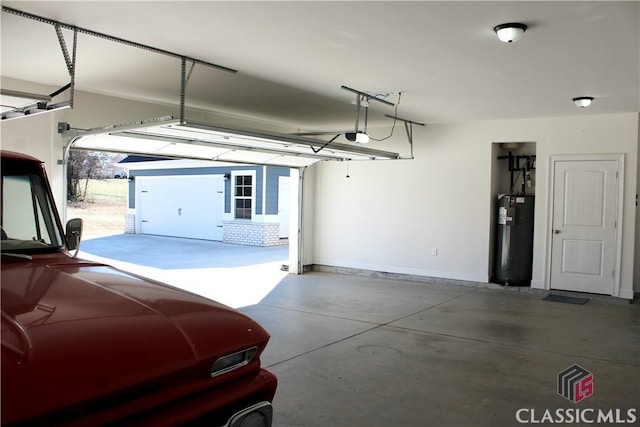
93,330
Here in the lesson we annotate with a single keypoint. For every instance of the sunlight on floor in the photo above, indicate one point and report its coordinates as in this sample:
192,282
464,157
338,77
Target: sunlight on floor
236,287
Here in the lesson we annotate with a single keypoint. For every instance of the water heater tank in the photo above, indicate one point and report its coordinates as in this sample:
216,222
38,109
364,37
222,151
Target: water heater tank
514,240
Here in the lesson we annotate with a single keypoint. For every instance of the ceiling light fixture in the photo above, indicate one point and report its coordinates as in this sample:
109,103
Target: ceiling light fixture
583,101
511,32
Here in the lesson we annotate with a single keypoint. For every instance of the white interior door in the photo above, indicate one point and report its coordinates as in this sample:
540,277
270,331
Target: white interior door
583,244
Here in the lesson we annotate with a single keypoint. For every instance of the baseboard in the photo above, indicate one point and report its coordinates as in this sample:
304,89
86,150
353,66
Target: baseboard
389,275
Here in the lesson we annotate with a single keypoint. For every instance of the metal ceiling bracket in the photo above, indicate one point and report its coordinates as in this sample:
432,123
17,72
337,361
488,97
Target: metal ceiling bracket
184,80
363,97
183,87
71,65
368,97
65,51
408,126
193,65
358,106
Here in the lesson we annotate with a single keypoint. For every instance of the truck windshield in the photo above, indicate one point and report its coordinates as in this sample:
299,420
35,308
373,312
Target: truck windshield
28,221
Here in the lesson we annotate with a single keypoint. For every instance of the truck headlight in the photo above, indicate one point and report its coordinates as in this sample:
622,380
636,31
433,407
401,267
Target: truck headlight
233,361
259,415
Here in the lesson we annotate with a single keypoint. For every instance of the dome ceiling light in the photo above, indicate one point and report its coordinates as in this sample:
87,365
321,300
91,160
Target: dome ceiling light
511,32
583,101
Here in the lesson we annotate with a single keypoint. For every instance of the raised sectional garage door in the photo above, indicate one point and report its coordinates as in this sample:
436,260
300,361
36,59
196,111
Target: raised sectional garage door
171,138
165,208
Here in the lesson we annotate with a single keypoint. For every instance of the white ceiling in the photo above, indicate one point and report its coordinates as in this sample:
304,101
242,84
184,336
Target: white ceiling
293,57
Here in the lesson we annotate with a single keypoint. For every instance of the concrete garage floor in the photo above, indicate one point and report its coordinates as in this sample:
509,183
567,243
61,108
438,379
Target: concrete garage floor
363,351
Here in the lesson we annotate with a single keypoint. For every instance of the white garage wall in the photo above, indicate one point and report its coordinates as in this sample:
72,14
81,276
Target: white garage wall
390,216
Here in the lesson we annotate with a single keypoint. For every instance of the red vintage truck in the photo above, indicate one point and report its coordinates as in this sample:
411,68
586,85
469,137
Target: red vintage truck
84,344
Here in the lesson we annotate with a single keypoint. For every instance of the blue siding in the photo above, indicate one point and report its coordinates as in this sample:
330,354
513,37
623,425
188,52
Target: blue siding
273,173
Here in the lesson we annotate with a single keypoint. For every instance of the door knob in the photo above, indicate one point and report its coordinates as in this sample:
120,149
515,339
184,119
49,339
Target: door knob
556,231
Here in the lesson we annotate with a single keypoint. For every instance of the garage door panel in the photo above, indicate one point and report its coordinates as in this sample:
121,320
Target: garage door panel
181,206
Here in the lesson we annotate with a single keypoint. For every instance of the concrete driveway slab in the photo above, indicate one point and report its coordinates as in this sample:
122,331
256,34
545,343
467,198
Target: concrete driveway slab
234,275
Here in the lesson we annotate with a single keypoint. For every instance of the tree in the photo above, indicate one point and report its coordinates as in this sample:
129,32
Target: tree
81,165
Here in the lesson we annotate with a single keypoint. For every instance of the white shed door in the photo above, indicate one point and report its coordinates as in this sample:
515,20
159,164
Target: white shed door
584,221
181,206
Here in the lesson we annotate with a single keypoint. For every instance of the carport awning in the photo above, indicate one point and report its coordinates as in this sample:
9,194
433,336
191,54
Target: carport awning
169,137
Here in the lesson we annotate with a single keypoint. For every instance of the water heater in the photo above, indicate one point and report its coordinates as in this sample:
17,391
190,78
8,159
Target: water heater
514,240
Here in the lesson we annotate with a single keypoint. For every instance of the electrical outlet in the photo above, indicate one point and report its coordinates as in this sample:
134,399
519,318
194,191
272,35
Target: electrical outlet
434,251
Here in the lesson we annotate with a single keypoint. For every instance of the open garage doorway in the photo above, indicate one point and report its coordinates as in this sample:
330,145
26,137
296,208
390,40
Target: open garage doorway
253,158
248,194
191,255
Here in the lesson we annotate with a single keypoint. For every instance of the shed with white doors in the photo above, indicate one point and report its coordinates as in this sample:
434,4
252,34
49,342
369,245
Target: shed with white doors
241,204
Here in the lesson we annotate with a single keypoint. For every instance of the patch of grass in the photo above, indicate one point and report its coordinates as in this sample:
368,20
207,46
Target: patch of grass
104,209
107,191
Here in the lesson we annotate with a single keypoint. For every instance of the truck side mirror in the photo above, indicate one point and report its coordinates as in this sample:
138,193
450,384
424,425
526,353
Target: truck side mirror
73,234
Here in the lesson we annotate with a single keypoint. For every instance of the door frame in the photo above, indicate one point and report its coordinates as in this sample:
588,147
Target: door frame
617,262
284,181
